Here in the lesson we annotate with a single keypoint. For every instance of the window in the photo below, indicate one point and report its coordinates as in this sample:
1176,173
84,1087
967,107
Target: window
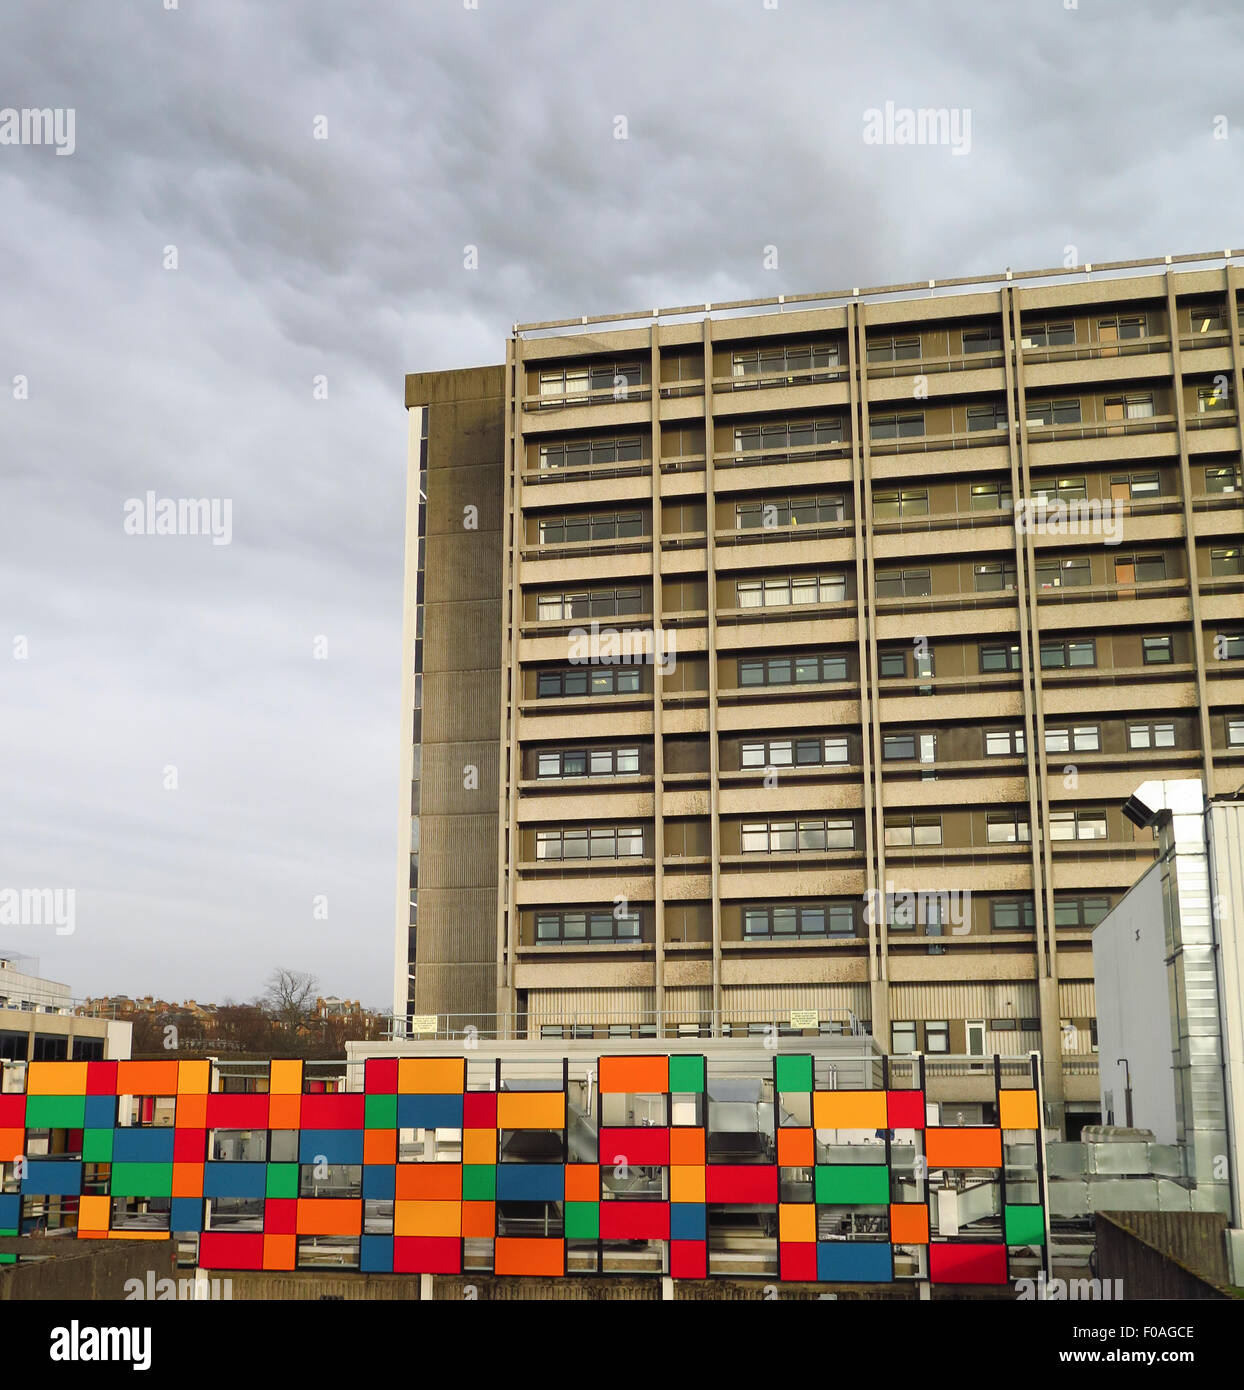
579,453
902,1038
576,681
1012,914
1209,318
605,526
1053,412
937,1036
798,919
893,349
904,583
804,669
1063,574
999,658
587,924
1150,735
906,426
1004,743
794,752
1006,827
1080,912
906,502
799,511
1080,738
994,577
1216,397
787,434
990,497
590,842
1226,561
590,603
1135,485
1057,490
1042,335
1138,406
1235,732
1078,824
1156,651
776,364
615,377
587,762
1139,569
913,830
790,590
1222,480
987,417
1121,327
792,836
981,340
1058,655
908,747
1229,646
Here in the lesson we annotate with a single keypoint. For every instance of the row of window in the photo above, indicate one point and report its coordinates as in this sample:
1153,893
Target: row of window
799,511
603,526
591,842
587,681
589,603
824,751
579,924
587,762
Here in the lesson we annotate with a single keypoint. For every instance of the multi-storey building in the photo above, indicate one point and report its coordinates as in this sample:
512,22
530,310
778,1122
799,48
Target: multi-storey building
929,574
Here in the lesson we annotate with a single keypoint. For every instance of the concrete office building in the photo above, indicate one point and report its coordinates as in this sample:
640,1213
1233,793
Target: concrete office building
797,657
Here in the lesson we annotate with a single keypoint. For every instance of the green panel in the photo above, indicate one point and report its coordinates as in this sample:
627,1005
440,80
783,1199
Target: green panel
381,1112
8,1259
55,1112
1025,1226
97,1145
142,1180
687,1075
479,1182
853,1184
794,1073
282,1180
582,1221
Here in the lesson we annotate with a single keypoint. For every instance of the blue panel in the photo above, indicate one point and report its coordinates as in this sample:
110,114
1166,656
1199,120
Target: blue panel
101,1112
530,1182
53,1179
142,1146
376,1255
330,1146
10,1210
379,1182
234,1179
429,1112
687,1221
186,1215
853,1262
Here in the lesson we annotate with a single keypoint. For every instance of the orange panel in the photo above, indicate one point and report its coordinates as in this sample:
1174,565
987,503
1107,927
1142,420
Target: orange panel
1018,1110
963,1148
797,1222
284,1077
187,1180
193,1078
909,1224
479,1146
93,1213
582,1182
379,1146
191,1111
479,1220
138,1235
517,1256
329,1216
849,1110
284,1111
431,1076
429,1182
92,1235
686,1146
11,1142
147,1078
56,1079
634,1075
280,1252
531,1110
427,1218
687,1184
796,1148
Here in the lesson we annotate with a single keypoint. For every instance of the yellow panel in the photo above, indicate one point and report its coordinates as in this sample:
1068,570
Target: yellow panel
479,1146
849,1110
686,1184
284,1076
138,1235
56,1079
431,1076
427,1218
93,1213
797,1221
1017,1109
531,1110
193,1078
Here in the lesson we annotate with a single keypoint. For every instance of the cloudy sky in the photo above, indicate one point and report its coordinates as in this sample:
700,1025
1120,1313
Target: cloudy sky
173,748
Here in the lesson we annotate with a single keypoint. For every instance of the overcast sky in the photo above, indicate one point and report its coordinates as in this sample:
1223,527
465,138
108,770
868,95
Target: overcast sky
123,656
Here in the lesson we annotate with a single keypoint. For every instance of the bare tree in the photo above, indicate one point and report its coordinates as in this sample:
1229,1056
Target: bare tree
290,997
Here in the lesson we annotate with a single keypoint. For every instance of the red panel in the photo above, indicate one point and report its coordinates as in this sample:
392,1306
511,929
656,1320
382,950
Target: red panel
967,1264
634,1221
334,1112
380,1076
230,1250
797,1260
280,1216
479,1110
427,1255
101,1078
688,1259
743,1182
905,1109
237,1112
189,1145
12,1112
635,1146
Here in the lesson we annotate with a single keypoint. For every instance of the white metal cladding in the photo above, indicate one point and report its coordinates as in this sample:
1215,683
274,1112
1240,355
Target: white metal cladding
780,999
1077,999
603,1005
1005,999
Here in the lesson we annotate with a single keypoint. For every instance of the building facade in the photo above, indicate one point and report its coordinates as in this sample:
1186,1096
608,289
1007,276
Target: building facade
830,637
